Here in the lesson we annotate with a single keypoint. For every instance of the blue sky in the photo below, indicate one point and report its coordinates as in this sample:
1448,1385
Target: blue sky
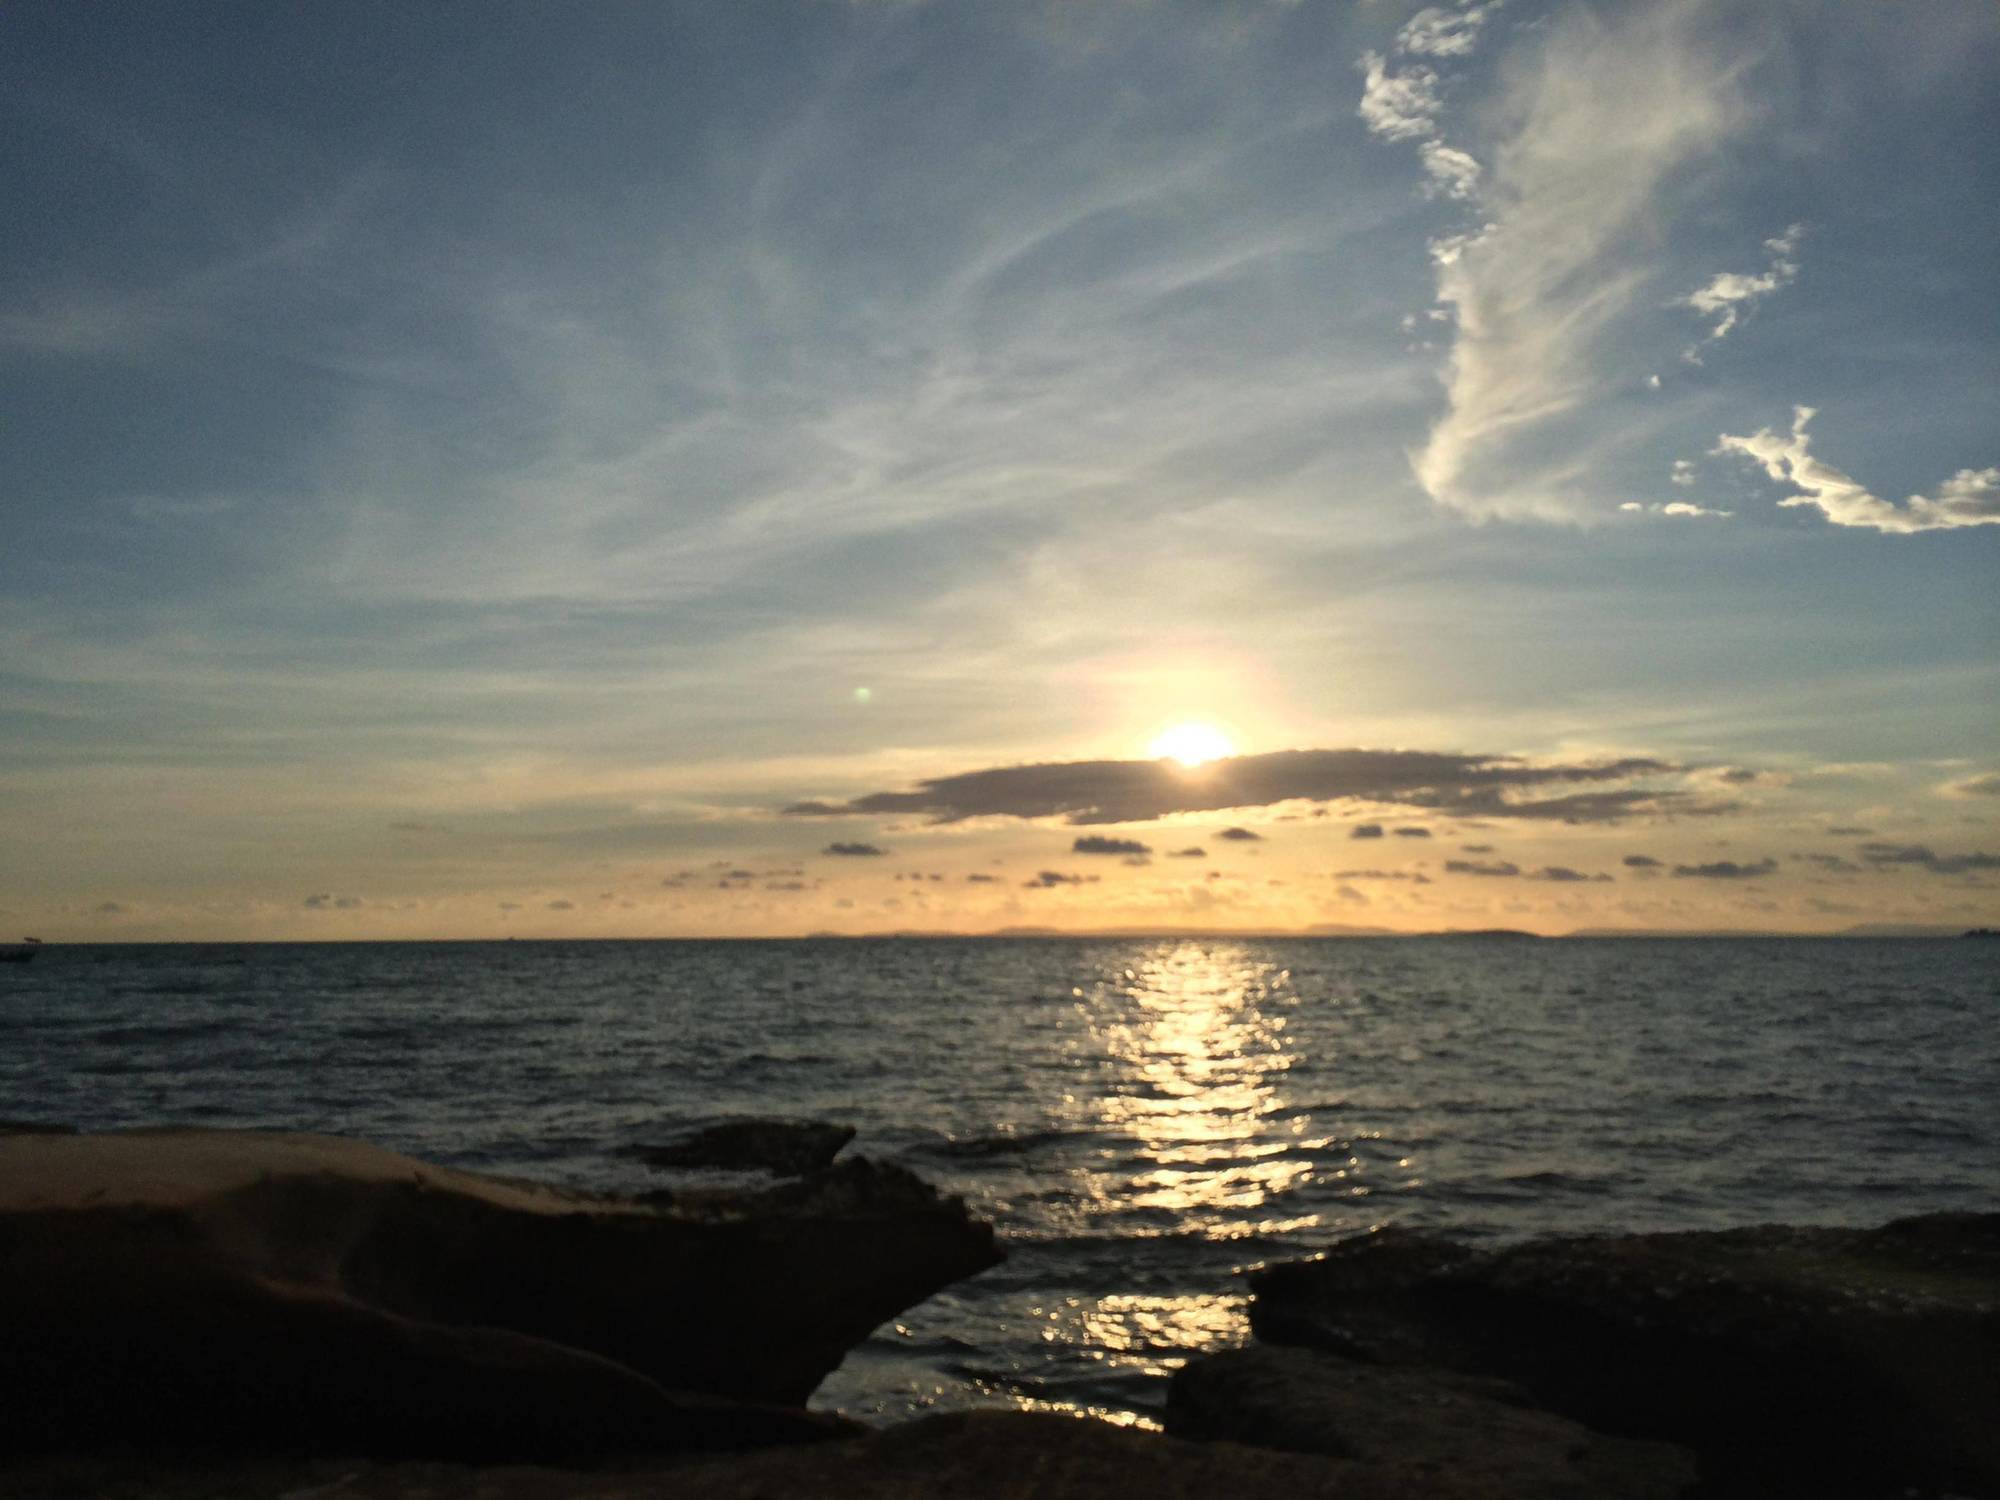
470,469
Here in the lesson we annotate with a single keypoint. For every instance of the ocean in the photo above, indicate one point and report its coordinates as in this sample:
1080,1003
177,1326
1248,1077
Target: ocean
1140,1118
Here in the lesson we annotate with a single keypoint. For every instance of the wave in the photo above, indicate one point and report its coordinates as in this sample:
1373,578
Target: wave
1002,1142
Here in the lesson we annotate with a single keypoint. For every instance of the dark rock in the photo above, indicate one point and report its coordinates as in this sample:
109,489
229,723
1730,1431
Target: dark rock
1794,1361
310,1294
786,1148
1425,1421
966,1456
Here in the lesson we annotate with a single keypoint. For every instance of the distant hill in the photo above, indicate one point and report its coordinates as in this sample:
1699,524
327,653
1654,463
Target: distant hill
1859,930
1689,932
1903,929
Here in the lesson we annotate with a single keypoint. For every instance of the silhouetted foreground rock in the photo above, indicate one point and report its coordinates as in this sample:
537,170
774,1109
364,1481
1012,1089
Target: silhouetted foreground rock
786,1148
239,1289
975,1456
1476,1430
1794,1361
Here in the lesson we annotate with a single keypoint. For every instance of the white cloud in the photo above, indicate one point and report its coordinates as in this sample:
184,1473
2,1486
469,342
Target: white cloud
1436,32
1453,172
1683,473
1605,115
1675,508
1728,295
1971,497
1404,106
1397,106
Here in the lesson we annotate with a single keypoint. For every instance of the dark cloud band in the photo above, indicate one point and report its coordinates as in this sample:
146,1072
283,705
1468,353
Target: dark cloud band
1137,791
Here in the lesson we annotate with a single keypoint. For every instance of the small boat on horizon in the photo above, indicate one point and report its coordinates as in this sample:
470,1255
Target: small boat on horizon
21,952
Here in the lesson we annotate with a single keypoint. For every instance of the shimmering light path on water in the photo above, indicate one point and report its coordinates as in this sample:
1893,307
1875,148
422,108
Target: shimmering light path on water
1141,1118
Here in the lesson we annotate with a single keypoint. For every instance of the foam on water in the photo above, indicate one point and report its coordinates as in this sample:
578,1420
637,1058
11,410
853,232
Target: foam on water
1140,1118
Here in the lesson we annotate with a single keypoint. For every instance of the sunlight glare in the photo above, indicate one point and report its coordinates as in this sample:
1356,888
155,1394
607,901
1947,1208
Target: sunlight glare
1192,744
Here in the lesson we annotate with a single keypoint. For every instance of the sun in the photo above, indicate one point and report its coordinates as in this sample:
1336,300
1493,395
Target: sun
1192,744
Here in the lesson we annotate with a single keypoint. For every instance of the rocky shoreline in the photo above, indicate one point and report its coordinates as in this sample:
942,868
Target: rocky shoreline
246,1313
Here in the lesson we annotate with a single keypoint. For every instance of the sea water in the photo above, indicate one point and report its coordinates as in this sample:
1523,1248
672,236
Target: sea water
1140,1118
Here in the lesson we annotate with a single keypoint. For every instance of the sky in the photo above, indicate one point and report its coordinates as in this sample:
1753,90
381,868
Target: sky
711,469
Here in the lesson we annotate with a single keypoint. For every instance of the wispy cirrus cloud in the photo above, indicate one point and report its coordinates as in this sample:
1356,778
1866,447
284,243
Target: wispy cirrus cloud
1728,295
1971,497
1604,117
1133,791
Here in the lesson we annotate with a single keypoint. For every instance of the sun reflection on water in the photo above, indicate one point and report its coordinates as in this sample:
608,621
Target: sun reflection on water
1178,1063
1192,1060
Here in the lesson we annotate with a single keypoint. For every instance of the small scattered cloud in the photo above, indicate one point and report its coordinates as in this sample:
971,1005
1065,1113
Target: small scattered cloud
562,906
1925,858
1240,835
1414,877
1475,848
410,825
1971,497
1679,508
1729,295
1092,843
1436,31
1564,875
1400,99
326,901
1397,106
1640,862
1365,831
1413,833
1849,831
1726,869
1833,862
977,879
1194,852
1047,878
1683,472
854,851
1453,172
1494,869
108,909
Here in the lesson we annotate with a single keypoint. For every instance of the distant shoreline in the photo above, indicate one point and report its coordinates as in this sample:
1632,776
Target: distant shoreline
1244,935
